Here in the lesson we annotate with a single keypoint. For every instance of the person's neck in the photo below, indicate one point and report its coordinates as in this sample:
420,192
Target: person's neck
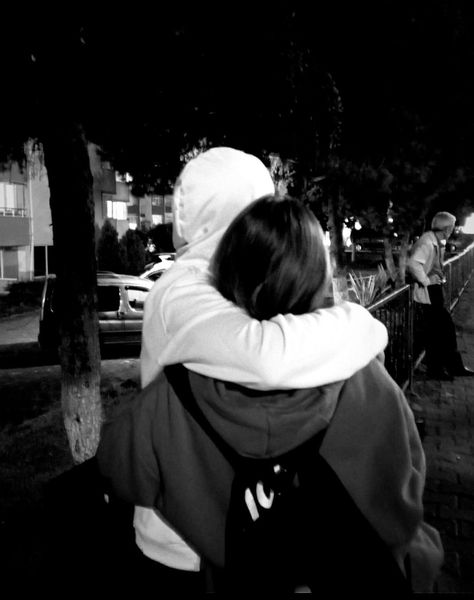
439,235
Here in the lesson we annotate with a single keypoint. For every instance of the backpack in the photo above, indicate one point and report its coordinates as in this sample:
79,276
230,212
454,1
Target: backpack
292,523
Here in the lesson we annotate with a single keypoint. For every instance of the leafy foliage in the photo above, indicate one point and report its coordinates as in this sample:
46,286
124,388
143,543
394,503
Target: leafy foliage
366,289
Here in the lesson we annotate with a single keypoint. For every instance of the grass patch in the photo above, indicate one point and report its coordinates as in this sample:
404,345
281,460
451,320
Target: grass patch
33,444
33,453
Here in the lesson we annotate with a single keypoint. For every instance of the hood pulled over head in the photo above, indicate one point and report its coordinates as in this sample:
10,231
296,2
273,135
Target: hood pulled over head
210,191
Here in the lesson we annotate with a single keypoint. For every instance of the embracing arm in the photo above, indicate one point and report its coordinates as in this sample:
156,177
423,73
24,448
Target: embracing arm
191,323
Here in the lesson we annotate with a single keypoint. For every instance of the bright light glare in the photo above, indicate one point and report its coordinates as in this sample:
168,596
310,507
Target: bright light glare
469,225
357,225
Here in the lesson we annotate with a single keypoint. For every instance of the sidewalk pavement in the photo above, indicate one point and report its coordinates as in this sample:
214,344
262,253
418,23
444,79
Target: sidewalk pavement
22,328
448,409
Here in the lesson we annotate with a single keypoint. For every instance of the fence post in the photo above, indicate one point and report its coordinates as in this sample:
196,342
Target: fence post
411,337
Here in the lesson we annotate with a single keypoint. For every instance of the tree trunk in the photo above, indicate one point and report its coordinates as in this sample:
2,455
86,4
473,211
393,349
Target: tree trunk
72,210
389,262
338,257
335,224
402,259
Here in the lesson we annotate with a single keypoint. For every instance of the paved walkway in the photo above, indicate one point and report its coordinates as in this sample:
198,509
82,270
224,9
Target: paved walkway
449,447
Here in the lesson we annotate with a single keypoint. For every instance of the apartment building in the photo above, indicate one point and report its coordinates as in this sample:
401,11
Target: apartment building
26,236
15,225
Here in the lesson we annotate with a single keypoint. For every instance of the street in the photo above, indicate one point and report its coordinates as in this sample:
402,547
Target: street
19,344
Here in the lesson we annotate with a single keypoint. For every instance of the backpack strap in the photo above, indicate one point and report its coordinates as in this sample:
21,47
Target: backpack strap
178,378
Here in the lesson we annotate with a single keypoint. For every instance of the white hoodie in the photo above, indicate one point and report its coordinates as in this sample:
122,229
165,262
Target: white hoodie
187,321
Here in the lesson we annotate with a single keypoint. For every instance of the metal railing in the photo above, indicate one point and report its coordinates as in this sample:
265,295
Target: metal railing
458,272
402,318
12,212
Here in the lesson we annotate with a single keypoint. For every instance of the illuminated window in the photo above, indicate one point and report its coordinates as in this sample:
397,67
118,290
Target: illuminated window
12,200
116,210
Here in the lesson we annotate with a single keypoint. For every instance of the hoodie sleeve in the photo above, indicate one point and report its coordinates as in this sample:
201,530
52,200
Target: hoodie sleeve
126,456
374,447
190,322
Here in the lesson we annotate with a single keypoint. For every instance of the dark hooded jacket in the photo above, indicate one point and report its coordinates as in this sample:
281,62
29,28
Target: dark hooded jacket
154,454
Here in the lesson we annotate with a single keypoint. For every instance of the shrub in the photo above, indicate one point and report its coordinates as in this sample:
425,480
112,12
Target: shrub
109,257
22,296
25,292
133,249
368,288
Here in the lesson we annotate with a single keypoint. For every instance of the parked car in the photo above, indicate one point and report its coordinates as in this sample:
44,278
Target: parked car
159,256
120,303
154,271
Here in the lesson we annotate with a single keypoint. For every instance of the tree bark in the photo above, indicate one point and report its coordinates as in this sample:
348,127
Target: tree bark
389,261
403,258
335,224
72,210
337,253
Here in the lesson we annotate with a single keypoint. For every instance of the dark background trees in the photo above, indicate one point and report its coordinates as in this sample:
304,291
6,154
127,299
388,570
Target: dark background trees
371,102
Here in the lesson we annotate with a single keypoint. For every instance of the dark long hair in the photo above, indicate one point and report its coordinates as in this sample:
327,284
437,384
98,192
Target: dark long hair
272,259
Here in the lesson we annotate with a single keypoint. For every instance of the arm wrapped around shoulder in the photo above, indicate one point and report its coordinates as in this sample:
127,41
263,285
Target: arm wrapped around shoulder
214,337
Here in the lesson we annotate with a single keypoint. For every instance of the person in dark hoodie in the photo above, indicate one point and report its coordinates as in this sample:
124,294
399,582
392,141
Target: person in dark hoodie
154,455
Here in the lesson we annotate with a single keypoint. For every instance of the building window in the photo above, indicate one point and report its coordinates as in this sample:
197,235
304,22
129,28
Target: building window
12,200
8,263
162,209
116,210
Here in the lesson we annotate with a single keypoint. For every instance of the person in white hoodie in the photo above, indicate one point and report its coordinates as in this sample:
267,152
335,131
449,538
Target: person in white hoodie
188,321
